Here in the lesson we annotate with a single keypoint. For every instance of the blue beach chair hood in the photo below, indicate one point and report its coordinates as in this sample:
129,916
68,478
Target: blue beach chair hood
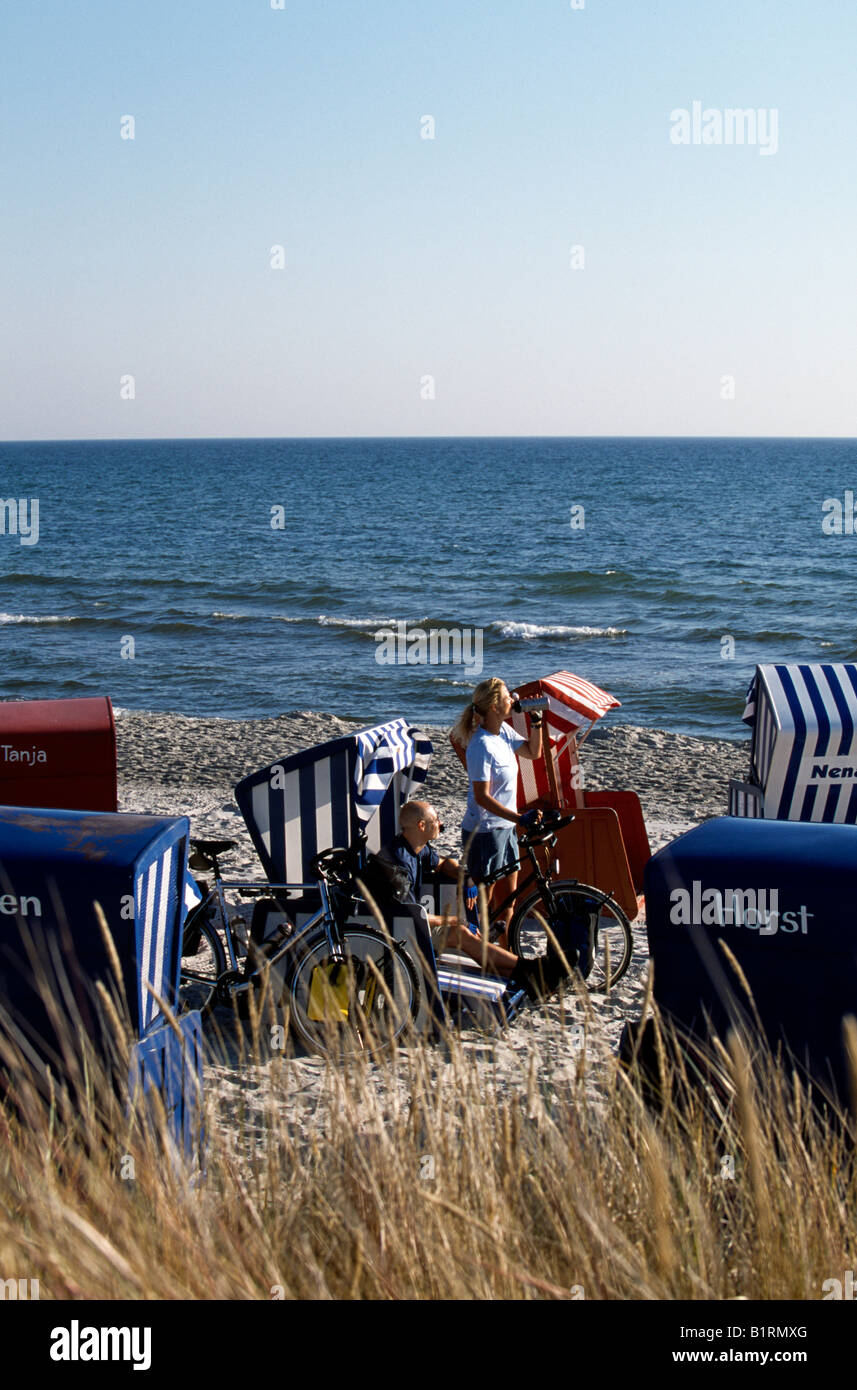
54,865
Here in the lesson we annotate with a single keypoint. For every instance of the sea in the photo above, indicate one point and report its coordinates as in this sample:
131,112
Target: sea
370,578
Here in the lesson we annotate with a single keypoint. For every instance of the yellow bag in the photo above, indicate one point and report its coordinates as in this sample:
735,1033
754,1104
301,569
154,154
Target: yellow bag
328,994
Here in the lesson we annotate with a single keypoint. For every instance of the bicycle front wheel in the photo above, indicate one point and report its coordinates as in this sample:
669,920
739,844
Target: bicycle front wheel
204,962
363,998
600,915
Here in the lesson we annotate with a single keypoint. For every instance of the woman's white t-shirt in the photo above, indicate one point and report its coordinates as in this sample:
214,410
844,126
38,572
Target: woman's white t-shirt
491,758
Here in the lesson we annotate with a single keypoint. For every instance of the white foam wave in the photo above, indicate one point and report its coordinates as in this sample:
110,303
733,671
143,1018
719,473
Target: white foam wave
368,623
322,620
529,631
31,618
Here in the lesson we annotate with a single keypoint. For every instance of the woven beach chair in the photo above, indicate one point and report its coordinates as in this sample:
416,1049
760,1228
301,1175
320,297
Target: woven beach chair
348,793
803,754
606,844
55,866
776,894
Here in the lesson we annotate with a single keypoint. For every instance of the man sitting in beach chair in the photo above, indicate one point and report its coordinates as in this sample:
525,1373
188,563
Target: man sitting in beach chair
404,861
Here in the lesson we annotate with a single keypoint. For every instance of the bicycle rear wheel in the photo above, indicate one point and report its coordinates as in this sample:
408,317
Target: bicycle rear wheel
604,919
362,999
201,969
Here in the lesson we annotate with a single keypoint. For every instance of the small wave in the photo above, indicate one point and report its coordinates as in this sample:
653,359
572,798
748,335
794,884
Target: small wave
227,616
568,582
368,624
160,626
768,634
35,579
445,680
714,634
363,626
530,631
30,618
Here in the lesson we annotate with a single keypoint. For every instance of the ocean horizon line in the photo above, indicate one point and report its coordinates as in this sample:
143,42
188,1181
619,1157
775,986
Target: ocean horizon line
417,438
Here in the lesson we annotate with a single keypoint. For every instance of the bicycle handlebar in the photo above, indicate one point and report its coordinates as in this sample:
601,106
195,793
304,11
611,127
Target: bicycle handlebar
547,829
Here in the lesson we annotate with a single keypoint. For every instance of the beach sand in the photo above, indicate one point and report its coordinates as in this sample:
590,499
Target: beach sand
173,764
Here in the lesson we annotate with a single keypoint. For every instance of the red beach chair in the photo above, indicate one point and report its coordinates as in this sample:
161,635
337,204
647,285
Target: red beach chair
58,754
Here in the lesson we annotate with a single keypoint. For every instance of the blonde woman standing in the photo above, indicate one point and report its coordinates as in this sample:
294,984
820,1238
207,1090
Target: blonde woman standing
492,802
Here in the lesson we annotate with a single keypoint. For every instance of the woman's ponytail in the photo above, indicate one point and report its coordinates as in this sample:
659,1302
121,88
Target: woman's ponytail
473,715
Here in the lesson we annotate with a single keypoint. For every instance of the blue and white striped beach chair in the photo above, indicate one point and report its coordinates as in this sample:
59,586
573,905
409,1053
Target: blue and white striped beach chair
54,867
325,796
331,796
168,1061
803,755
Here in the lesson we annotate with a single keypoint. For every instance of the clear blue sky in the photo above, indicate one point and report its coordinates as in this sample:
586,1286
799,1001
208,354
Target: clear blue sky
407,257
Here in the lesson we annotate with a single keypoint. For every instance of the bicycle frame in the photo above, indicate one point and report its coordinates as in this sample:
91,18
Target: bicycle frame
324,917
327,939
537,875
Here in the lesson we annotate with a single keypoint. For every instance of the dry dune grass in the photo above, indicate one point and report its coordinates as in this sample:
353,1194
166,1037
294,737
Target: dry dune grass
410,1178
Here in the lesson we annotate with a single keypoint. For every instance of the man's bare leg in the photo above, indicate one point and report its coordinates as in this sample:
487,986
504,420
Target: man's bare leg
497,960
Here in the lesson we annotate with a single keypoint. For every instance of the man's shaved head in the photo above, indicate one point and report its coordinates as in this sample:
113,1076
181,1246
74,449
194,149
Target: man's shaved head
413,812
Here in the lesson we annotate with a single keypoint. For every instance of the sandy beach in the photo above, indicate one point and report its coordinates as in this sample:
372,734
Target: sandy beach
173,764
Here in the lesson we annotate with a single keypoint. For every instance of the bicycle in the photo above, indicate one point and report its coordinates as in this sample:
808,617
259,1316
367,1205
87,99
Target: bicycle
346,987
570,908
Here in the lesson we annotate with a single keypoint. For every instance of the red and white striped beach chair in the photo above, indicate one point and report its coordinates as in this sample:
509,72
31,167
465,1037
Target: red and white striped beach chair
606,844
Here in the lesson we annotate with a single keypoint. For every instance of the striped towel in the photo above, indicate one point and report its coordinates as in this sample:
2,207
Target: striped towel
381,753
